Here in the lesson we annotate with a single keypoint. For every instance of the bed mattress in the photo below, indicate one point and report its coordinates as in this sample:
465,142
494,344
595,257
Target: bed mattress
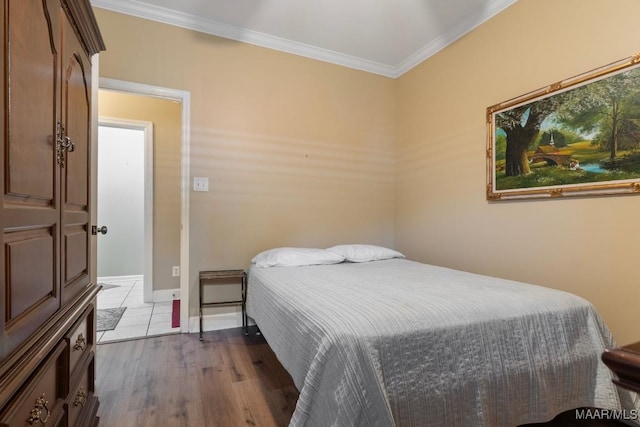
401,343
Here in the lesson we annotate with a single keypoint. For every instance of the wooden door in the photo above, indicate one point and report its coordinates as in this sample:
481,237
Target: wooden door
30,179
75,160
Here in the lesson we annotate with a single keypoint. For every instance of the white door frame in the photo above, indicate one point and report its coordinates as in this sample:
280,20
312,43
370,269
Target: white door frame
147,128
184,97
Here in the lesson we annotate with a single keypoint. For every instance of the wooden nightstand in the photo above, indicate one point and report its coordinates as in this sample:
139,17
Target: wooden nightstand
215,277
625,363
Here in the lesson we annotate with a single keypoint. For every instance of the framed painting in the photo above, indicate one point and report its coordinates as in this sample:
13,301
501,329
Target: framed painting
577,137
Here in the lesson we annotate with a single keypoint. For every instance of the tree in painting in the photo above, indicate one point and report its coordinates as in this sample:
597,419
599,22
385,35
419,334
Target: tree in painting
521,126
607,111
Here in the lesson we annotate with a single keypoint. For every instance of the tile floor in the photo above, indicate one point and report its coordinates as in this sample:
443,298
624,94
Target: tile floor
139,319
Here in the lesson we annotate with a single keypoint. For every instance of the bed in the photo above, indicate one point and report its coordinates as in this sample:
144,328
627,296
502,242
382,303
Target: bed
393,342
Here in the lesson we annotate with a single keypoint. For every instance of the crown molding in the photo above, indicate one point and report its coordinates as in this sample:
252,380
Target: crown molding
490,10
216,28
208,26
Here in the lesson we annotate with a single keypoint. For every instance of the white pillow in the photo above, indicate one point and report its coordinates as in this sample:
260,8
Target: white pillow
293,257
365,253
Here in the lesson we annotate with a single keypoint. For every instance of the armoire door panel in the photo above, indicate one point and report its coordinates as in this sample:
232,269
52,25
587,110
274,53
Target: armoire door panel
30,284
75,274
76,167
76,261
30,269
75,113
30,176
33,74
76,110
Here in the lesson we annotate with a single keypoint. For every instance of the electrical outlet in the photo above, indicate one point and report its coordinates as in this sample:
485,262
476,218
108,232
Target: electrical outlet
200,184
175,271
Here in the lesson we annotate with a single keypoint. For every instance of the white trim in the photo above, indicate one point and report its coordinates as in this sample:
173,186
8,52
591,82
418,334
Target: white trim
93,161
131,278
216,322
147,128
184,97
165,295
489,10
216,28
220,29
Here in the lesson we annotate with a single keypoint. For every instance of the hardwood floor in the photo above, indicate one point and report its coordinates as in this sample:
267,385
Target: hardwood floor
227,380
176,380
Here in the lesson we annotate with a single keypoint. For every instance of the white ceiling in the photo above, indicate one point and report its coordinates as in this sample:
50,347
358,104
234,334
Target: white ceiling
387,37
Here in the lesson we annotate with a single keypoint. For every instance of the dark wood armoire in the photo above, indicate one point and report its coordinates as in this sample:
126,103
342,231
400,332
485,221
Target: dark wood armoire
47,300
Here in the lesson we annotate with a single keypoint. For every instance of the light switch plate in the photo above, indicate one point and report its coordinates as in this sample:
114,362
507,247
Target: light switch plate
200,184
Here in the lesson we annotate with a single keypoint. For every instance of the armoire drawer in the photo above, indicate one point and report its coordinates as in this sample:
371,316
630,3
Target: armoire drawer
41,399
82,406
80,340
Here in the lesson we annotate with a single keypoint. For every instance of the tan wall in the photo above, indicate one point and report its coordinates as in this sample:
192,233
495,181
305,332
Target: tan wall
298,152
166,118
588,246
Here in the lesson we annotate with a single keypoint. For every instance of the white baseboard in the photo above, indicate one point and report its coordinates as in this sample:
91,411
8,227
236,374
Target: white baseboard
215,322
166,295
121,278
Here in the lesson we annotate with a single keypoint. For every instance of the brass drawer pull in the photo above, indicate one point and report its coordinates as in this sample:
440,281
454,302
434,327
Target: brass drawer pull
81,398
36,412
81,343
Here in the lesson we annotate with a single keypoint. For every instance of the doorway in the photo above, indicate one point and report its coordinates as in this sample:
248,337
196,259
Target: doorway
168,267
125,203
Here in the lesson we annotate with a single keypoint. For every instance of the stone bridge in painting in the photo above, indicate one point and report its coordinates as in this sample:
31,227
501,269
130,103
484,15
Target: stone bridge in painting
552,159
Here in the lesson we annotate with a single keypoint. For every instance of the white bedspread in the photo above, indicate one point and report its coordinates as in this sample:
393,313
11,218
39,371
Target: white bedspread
400,343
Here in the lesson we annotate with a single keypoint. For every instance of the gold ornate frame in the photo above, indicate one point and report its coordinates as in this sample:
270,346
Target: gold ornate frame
505,111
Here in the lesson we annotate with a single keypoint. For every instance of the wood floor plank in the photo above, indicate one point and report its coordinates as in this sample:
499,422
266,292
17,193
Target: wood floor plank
226,380
216,392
